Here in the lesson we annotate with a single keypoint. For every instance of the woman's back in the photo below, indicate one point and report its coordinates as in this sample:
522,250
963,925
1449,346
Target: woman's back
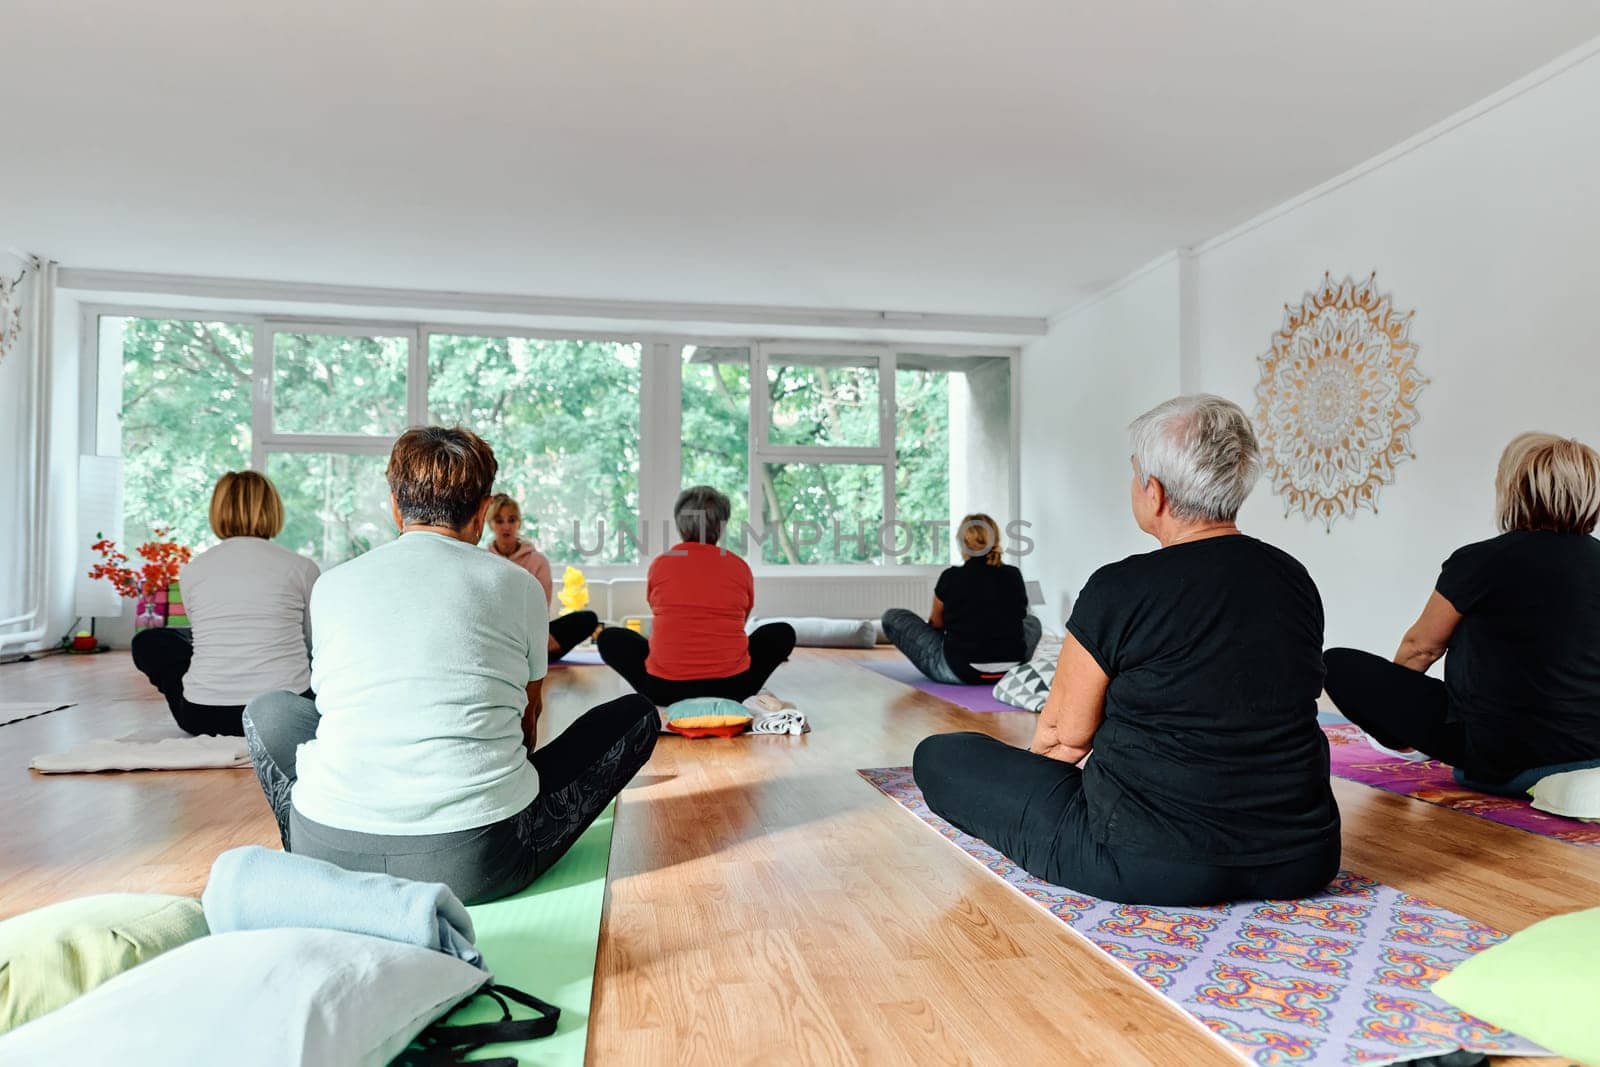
984,606
700,595
246,599
423,649
1210,749
1523,669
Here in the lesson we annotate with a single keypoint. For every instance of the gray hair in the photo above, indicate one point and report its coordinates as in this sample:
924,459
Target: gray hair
701,512
1203,452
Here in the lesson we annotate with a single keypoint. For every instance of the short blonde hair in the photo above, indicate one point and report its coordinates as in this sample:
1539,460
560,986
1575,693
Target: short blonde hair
1546,482
980,536
245,504
499,502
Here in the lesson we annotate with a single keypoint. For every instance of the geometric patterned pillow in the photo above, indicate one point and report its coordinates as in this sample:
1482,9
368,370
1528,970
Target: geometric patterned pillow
1027,684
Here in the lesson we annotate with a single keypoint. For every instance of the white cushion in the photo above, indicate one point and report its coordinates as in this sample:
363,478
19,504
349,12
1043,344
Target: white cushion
812,632
1575,794
260,998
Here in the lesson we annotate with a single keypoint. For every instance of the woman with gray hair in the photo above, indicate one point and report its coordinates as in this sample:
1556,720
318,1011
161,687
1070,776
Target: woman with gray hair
700,597
1518,615
1177,760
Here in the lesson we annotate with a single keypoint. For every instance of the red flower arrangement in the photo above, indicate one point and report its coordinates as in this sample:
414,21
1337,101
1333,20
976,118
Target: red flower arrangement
163,559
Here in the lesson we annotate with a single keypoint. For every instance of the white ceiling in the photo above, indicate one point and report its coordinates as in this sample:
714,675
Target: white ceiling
981,157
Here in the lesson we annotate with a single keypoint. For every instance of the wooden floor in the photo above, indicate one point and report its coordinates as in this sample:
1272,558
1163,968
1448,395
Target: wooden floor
765,903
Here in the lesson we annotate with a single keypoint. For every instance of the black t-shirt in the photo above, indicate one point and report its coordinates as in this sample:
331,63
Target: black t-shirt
983,611
1210,750
1523,668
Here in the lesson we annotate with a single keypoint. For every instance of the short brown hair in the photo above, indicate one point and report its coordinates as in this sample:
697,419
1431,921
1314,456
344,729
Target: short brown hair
1545,482
980,536
439,475
245,504
701,512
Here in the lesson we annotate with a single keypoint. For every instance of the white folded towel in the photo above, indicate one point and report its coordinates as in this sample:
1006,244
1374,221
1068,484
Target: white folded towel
168,754
774,715
780,722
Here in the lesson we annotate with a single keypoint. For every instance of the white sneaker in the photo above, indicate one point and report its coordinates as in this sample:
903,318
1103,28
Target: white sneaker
1410,755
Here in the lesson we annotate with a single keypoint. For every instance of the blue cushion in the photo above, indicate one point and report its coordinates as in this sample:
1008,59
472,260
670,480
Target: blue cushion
1522,783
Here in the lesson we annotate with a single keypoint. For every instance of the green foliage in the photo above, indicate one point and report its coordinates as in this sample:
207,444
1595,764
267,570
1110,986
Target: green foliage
185,420
563,419
716,425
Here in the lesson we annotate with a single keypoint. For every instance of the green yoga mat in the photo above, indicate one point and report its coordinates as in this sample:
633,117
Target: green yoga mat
543,941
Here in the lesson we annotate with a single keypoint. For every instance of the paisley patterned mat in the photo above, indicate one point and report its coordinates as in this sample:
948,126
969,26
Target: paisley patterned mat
1341,978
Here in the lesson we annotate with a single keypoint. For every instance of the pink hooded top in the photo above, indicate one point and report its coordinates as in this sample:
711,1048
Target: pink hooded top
531,560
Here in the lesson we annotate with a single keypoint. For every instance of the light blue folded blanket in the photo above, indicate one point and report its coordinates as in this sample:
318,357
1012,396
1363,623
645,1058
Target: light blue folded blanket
255,888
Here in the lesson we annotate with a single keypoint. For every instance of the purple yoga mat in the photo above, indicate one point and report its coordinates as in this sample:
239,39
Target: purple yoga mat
972,697
1343,977
579,657
1431,781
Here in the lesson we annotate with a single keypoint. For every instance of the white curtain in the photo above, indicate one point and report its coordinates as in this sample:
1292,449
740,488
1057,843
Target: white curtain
25,375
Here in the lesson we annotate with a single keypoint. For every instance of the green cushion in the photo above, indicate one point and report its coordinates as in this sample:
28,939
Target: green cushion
51,956
1540,983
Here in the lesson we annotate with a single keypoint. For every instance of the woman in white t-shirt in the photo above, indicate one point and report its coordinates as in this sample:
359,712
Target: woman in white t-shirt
418,755
248,602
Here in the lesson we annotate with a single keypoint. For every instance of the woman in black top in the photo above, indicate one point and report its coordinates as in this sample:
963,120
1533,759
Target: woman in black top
1178,758
1519,615
979,624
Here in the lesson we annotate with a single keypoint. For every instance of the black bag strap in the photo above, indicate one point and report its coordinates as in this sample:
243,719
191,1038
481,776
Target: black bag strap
444,1045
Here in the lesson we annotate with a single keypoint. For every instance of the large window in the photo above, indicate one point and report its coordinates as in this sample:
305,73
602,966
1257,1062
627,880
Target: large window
832,453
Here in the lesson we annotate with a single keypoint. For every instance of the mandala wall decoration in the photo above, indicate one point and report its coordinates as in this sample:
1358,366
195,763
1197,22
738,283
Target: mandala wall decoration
1337,399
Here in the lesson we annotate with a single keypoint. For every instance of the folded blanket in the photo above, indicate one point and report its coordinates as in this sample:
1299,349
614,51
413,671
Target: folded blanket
169,754
255,888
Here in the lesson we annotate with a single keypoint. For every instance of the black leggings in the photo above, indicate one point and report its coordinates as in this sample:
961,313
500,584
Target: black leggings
580,772
1397,706
163,653
625,651
1033,809
571,630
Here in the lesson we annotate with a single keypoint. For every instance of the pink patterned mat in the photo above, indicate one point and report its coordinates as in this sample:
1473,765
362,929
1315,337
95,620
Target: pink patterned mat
1430,781
1341,978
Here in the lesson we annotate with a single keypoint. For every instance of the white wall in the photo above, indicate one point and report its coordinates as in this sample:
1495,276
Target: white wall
1082,384
1491,233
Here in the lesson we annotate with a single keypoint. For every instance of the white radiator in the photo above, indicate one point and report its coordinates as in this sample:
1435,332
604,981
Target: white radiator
842,596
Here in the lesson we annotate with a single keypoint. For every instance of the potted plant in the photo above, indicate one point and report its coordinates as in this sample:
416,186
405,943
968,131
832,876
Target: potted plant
148,584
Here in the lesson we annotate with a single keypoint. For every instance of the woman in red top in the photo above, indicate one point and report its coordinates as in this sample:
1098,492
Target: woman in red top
505,519
700,595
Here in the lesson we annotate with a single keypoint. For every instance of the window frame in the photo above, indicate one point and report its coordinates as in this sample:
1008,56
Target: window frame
660,396
793,353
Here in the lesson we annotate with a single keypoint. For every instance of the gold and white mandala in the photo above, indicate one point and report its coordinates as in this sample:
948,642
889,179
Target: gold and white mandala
1337,399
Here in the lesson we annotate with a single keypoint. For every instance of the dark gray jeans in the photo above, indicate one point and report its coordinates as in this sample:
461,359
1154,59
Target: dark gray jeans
924,646
580,772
